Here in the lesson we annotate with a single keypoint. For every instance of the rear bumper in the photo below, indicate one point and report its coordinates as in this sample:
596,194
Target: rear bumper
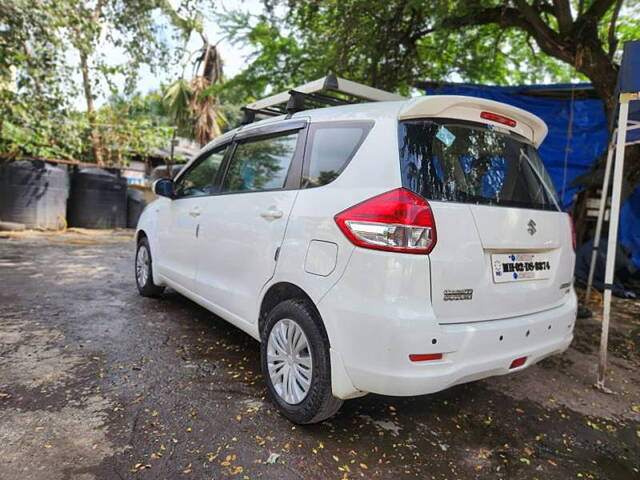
374,347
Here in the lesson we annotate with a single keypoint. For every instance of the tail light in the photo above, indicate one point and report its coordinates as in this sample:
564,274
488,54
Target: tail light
573,232
396,221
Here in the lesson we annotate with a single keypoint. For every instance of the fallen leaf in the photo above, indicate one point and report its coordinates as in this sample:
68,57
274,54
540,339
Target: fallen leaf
273,458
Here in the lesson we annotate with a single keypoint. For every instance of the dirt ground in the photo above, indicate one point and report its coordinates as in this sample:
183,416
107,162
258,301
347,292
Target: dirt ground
97,382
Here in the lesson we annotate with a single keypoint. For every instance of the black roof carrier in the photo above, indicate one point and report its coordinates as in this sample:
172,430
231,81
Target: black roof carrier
315,94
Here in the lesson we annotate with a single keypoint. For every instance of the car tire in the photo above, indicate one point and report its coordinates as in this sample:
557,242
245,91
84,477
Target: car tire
318,402
143,271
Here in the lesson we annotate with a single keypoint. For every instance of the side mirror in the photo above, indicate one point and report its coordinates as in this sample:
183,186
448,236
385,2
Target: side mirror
163,187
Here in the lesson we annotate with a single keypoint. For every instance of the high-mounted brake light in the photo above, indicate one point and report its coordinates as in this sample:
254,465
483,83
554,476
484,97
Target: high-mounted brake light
494,117
396,221
573,231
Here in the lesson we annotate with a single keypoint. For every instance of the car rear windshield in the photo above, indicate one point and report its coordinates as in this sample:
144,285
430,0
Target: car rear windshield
467,162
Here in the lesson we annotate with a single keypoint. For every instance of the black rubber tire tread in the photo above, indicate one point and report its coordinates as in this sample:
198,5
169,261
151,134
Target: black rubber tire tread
149,289
319,404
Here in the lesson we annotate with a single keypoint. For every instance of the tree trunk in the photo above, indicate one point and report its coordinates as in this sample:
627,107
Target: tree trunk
96,142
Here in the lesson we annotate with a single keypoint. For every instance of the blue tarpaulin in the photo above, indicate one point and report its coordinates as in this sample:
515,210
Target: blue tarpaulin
577,148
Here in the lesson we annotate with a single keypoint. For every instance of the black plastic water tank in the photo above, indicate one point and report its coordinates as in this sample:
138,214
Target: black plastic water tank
98,199
135,205
34,193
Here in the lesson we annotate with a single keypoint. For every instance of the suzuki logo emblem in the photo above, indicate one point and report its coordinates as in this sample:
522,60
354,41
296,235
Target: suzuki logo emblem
532,227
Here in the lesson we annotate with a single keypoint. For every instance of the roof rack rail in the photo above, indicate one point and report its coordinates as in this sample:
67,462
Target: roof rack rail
315,94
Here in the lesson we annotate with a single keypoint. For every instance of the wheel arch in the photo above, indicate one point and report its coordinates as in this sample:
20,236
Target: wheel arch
140,234
281,291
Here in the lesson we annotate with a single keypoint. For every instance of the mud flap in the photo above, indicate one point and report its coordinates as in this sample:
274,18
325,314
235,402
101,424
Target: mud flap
340,382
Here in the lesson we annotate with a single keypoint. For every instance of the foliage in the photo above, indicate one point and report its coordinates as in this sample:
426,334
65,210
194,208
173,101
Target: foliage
50,44
132,127
177,98
31,101
195,105
392,43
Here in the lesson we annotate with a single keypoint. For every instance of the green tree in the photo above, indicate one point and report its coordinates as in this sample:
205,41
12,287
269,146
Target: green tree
32,59
132,127
48,43
392,43
128,25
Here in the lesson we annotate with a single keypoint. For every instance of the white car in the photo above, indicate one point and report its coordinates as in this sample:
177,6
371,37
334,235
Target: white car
397,248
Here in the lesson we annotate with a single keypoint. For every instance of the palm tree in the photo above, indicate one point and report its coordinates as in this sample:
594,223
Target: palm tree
194,105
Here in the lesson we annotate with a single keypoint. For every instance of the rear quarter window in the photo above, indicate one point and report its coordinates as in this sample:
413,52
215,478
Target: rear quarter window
331,146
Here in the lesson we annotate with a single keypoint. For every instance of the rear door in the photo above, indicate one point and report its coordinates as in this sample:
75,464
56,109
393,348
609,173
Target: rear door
243,226
504,248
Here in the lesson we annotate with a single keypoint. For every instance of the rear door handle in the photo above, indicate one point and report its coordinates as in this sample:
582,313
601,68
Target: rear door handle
272,214
195,212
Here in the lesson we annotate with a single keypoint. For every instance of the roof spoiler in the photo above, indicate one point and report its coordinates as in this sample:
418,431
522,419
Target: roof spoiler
320,92
462,107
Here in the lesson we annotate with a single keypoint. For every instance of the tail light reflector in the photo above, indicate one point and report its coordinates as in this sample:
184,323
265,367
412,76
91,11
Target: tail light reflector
518,362
494,117
396,221
423,357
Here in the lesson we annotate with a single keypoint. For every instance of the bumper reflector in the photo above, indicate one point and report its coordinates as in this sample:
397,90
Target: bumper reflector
423,357
518,362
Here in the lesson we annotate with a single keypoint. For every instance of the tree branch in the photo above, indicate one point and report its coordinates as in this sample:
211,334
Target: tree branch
562,11
97,11
523,17
598,8
532,16
613,41
505,16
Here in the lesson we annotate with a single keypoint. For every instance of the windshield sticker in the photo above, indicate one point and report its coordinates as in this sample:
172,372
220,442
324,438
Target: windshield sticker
445,136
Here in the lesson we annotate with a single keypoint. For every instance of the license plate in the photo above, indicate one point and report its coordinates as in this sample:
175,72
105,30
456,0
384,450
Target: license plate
517,267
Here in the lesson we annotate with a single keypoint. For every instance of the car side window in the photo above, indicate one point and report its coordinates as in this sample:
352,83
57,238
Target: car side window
199,180
261,164
332,147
